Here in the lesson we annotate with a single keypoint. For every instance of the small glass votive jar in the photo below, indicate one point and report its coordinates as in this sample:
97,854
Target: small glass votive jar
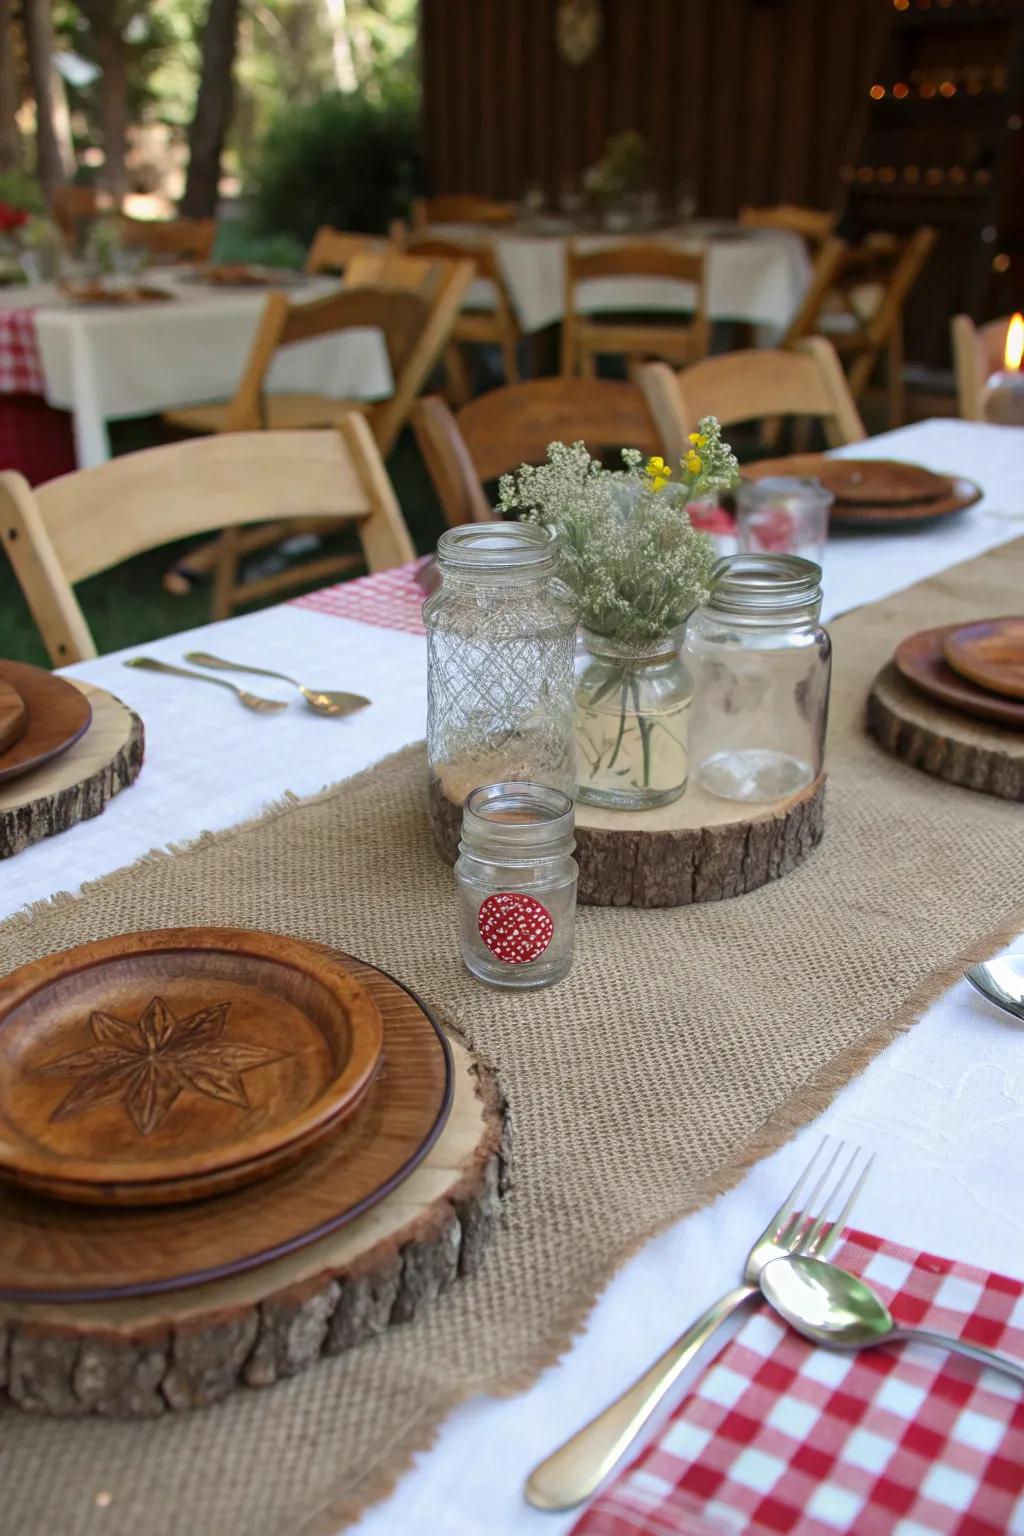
517,884
783,515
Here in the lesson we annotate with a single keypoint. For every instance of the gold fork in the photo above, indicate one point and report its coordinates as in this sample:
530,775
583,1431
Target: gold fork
254,701
571,1474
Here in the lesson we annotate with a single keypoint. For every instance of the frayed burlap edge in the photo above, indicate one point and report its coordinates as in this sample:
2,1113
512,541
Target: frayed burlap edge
806,1102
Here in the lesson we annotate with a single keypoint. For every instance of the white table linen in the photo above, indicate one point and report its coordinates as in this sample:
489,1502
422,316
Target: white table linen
759,276
943,1107
106,364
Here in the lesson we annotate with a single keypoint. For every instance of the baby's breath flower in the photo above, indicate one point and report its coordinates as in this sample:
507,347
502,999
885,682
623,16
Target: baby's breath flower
626,547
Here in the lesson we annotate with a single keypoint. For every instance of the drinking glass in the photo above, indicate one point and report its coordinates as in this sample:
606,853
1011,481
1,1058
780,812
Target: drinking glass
783,515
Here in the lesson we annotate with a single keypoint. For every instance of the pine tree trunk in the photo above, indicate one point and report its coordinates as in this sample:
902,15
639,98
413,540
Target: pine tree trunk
10,139
37,17
110,51
213,110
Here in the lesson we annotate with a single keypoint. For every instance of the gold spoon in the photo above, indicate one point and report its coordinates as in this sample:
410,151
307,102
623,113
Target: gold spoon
319,699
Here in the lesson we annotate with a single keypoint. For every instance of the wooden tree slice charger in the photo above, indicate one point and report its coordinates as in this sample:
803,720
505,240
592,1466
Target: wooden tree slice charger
699,848
185,1347
943,742
80,783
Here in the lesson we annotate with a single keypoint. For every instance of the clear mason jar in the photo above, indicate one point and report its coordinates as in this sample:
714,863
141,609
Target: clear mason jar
500,643
761,664
633,706
517,884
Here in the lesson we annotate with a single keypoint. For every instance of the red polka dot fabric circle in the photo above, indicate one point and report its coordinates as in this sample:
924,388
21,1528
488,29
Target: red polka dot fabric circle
515,928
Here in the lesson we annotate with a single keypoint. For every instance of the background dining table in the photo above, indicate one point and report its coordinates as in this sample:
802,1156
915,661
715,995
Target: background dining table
756,276
110,362
943,1107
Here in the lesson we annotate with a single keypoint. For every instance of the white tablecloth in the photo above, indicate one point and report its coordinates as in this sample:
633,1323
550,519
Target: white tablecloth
105,364
943,1107
758,276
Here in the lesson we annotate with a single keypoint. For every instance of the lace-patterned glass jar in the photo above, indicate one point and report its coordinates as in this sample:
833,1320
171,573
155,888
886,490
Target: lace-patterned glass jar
517,884
500,643
761,665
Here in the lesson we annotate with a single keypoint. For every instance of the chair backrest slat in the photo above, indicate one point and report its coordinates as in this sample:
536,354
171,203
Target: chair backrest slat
751,386
514,425
332,250
636,259
184,239
88,521
460,208
814,224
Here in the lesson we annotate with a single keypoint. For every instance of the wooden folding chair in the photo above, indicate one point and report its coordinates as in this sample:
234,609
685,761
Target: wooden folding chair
752,386
332,250
586,337
72,206
815,225
459,208
507,427
481,327
977,354
88,521
861,310
177,239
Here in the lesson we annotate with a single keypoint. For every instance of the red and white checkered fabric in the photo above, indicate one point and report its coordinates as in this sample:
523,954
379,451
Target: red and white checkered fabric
390,600
21,369
779,1436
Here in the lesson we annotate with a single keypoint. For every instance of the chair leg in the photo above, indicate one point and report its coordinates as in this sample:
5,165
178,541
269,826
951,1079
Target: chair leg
510,357
225,576
897,388
457,374
586,363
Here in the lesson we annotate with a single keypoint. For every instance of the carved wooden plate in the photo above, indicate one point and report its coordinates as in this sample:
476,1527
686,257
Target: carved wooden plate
52,1251
168,1066
920,659
990,653
879,494
95,292
58,714
13,715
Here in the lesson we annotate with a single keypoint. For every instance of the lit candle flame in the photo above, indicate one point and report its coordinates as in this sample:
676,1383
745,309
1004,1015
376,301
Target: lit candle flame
1014,344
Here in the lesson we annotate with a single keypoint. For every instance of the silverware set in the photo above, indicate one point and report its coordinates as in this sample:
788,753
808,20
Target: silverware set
321,701
787,1265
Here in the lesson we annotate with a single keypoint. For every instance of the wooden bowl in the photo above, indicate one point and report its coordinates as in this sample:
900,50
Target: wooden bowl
13,715
990,653
920,660
58,714
159,1067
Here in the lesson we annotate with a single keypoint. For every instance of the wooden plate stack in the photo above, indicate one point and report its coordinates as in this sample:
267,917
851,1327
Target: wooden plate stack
952,701
880,495
65,750
202,1120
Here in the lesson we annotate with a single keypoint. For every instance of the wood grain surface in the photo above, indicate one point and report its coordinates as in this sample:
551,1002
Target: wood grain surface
172,1065
699,848
13,715
79,784
943,742
50,1248
59,713
921,661
145,1355
990,653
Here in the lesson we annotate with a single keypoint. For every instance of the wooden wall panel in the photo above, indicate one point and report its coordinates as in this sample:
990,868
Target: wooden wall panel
754,100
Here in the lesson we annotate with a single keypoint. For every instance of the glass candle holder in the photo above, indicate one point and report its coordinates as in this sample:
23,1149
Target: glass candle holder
1004,398
517,884
783,515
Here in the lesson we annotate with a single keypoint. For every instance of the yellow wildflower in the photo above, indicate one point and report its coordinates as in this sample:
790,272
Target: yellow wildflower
694,463
698,439
657,472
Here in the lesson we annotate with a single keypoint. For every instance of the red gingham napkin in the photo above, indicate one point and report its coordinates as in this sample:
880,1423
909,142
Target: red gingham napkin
390,600
779,1436
21,371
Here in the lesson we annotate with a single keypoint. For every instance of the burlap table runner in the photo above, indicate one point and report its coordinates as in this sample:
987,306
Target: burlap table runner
684,1045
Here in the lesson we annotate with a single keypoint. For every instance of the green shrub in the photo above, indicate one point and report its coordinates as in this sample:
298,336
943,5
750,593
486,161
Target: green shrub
342,161
236,242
